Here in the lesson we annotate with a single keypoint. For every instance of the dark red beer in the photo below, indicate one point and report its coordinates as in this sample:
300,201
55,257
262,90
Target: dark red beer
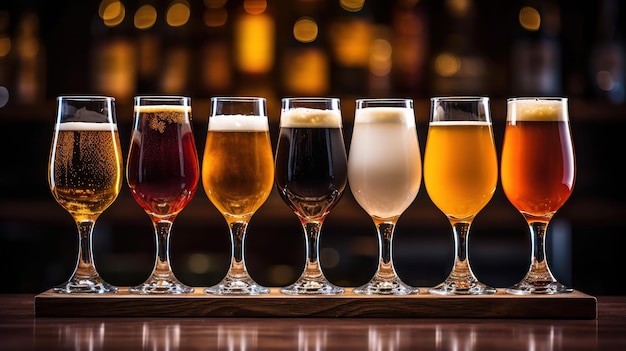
163,168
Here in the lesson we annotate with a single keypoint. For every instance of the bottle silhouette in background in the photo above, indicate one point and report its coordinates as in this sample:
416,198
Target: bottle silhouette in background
459,65
607,55
536,49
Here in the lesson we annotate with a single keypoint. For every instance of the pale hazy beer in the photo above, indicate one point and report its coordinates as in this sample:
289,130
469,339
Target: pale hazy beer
385,173
384,167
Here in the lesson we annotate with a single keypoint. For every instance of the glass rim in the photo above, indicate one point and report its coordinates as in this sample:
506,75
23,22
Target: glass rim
537,98
310,99
461,98
238,98
85,97
383,99
161,98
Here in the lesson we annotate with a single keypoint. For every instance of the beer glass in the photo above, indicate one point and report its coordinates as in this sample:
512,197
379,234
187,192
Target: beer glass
85,176
538,172
162,172
311,175
384,172
460,175
238,176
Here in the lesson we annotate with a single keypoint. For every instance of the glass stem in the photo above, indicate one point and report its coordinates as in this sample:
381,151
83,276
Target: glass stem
539,264
237,237
385,236
312,231
162,266
461,268
85,268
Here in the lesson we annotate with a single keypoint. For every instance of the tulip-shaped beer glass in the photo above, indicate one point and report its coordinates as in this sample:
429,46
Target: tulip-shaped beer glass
311,175
162,173
238,176
85,173
384,172
460,174
538,171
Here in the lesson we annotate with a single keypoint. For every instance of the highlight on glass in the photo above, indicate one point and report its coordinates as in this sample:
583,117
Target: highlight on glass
311,175
162,173
538,170
85,177
384,173
460,175
238,176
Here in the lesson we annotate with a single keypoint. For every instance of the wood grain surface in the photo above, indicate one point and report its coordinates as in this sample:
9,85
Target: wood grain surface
21,330
576,305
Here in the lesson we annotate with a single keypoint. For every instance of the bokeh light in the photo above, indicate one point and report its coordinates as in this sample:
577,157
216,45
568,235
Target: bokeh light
145,17
529,18
305,30
178,14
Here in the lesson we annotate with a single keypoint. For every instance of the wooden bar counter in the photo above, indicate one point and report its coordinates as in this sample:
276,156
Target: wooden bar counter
21,330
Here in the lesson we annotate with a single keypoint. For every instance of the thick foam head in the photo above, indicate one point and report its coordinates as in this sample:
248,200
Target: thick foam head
310,118
238,123
536,110
385,115
90,126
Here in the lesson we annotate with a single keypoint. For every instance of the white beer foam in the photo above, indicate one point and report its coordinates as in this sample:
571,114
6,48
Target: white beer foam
163,108
310,118
90,126
238,123
385,115
536,110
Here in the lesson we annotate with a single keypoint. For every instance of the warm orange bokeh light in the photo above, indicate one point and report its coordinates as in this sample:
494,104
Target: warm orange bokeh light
178,14
529,19
254,43
145,17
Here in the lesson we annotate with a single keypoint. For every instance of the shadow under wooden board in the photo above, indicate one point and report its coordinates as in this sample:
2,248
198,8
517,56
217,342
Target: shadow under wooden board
575,305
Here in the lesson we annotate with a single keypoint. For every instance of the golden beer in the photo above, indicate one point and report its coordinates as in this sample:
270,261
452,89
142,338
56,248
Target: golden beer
238,165
460,166
85,169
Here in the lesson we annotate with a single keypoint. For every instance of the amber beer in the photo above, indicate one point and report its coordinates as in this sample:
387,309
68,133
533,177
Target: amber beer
460,166
238,165
538,166
86,167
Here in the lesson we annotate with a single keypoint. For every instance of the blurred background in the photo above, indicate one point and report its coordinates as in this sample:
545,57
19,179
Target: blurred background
344,48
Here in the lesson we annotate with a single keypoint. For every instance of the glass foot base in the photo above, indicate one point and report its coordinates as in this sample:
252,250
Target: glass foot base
380,286
231,285
462,287
89,286
528,287
312,287
161,286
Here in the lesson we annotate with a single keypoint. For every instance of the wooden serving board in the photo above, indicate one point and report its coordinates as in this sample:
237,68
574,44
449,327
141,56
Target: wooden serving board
575,305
